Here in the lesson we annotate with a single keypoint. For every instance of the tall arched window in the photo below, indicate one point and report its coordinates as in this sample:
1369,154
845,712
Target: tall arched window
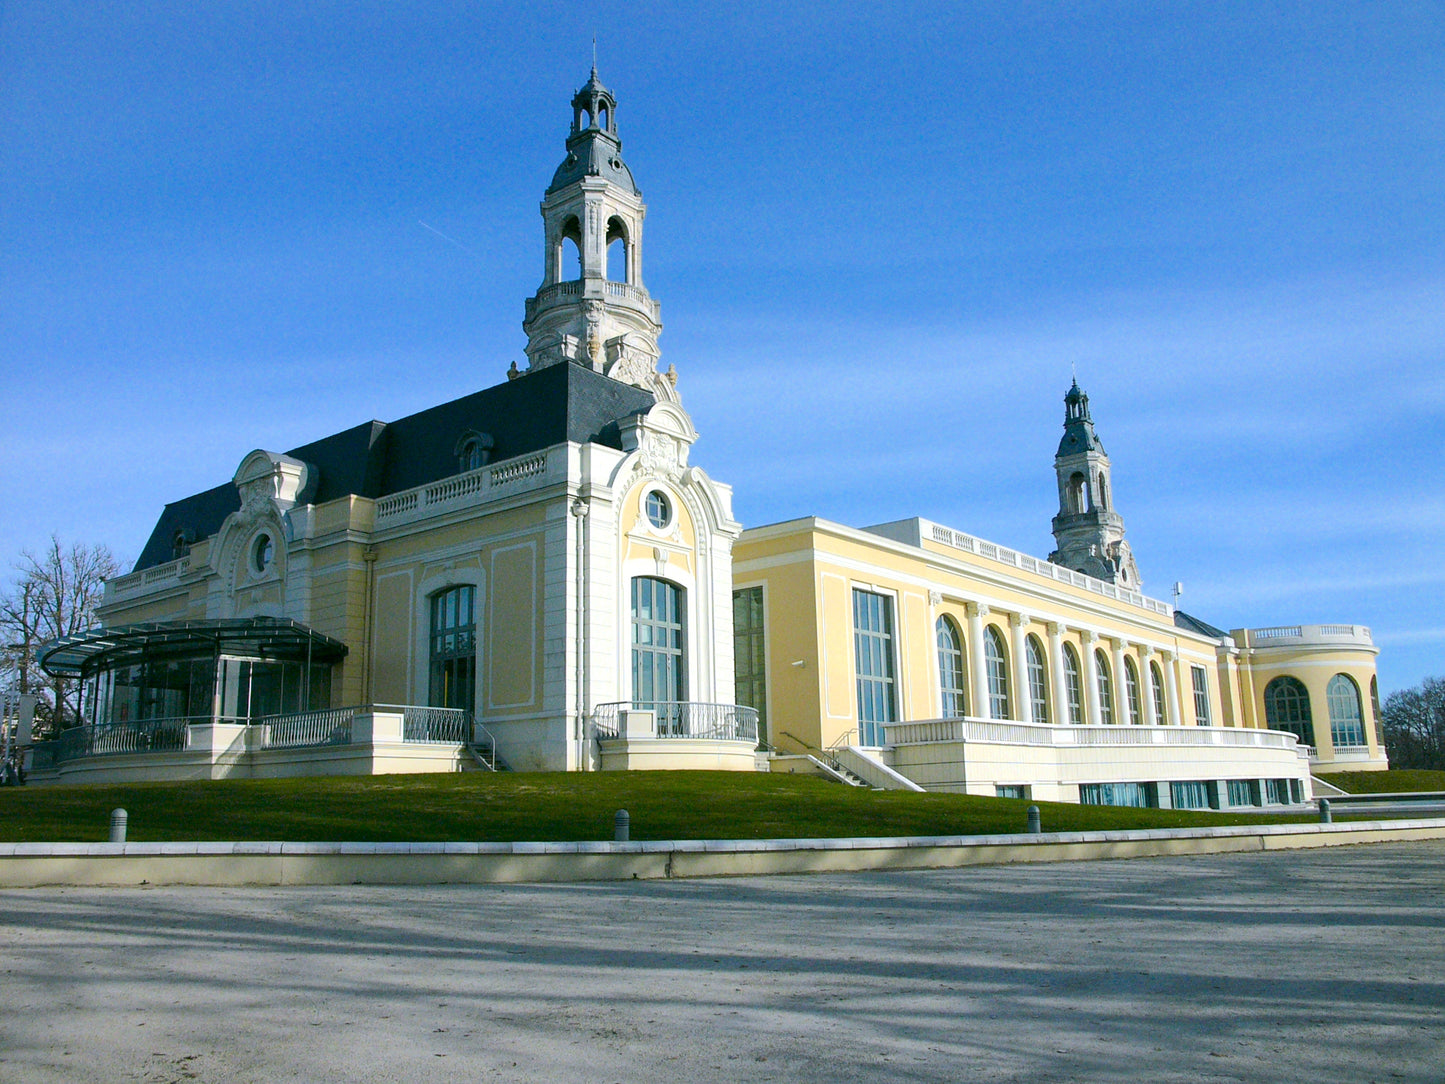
996,662
1073,685
453,665
1078,493
1287,708
1131,692
1038,681
619,267
951,682
1343,697
1106,691
1156,692
659,650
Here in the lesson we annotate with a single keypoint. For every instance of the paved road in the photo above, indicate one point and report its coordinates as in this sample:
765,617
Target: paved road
1300,966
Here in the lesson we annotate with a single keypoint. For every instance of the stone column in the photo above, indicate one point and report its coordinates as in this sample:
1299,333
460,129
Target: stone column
1171,688
1019,670
1121,695
1091,679
1056,673
977,671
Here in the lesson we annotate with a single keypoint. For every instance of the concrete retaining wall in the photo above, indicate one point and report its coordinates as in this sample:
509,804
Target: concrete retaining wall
28,865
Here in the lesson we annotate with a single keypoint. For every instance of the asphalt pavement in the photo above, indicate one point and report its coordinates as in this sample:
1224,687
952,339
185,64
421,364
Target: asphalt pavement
1285,966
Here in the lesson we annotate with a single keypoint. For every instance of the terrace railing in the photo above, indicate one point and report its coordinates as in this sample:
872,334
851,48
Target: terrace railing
682,719
112,739
329,726
1004,732
432,724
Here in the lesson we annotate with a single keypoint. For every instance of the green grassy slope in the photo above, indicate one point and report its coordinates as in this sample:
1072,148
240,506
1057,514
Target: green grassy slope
1391,782
477,806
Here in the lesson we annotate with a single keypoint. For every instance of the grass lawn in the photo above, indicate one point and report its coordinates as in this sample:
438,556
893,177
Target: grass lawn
508,806
1391,782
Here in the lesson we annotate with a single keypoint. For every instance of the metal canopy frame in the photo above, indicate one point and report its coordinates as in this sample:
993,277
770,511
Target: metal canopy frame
265,637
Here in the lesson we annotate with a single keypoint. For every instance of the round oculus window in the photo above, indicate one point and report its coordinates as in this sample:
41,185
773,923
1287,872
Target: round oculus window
658,509
261,553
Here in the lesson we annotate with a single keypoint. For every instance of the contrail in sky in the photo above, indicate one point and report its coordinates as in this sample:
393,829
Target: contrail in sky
444,237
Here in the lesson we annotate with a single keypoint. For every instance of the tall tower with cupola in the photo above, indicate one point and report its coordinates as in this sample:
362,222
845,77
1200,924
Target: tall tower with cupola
1088,531
592,308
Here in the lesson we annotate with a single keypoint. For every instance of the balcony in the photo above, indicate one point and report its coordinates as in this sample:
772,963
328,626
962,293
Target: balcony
620,294
677,734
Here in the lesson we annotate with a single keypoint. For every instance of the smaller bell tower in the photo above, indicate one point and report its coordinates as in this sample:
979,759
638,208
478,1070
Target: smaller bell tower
582,314
1087,530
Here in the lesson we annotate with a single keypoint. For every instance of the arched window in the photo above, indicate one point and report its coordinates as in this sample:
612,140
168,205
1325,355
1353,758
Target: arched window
951,682
602,118
1073,685
618,244
1078,493
569,251
1038,681
1106,691
659,651
1346,726
473,450
453,666
1287,708
1131,692
996,662
1156,692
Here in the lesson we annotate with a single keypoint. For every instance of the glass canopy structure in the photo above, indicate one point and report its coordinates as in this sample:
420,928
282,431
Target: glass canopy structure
237,669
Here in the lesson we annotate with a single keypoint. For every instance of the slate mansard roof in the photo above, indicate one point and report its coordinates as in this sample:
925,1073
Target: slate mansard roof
551,406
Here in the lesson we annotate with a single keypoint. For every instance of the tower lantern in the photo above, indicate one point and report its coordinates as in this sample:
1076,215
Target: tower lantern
582,314
1088,531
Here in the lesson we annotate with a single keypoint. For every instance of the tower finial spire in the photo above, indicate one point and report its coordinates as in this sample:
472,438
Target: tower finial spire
594,56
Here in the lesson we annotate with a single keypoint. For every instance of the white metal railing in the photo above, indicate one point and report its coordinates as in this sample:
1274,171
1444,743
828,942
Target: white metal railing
1006,732
328,726
459,490
432,724
682,719
994,552
110,739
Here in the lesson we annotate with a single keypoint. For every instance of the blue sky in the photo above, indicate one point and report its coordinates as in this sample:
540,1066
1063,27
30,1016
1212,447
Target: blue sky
883,237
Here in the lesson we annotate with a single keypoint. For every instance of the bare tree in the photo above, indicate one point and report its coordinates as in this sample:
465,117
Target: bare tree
55,595
1414,724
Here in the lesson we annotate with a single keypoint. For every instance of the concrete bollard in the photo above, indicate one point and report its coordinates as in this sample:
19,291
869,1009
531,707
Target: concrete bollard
1326,817
118,818
621,827
1035,824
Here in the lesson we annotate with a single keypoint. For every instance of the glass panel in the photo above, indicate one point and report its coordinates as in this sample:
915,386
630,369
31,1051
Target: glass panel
950,670
1346,725
1038,682
1201,695
1106,691
1131,691
1073,684
749,662
996,663
453,666
873,657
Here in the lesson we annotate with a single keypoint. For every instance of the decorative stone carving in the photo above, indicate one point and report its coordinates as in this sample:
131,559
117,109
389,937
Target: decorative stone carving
935,598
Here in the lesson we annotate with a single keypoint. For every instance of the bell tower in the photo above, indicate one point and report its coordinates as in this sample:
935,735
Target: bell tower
1089,533
592,222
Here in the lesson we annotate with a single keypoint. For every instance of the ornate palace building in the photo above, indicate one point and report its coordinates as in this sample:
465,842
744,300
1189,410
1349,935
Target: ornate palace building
535,577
